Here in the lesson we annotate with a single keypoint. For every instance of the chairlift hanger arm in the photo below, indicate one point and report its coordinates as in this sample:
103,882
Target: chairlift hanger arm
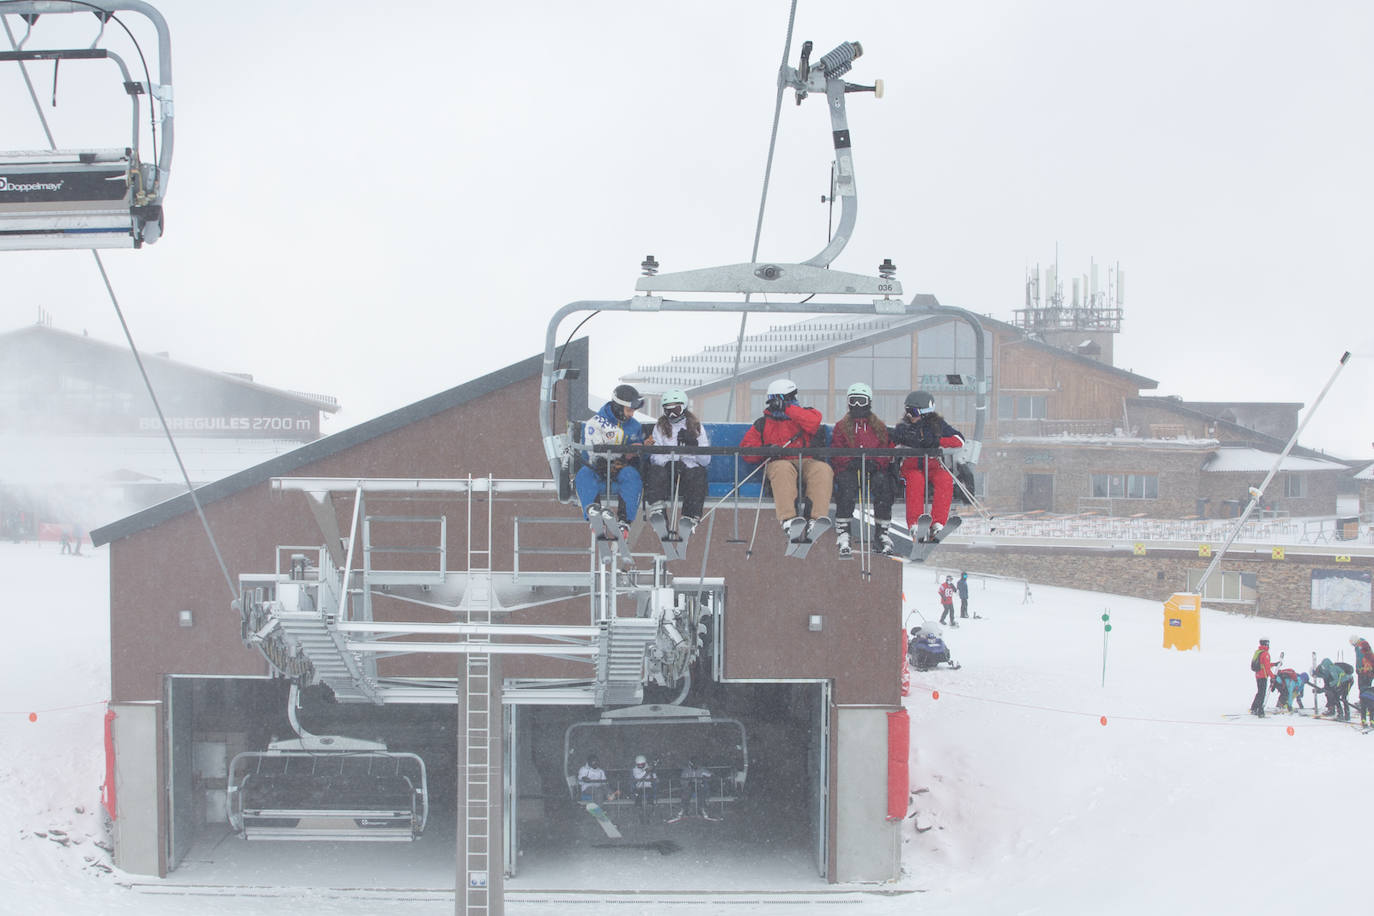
824,76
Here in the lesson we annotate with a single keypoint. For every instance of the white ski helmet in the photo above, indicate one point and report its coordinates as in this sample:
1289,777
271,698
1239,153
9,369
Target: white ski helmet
641,760
673,396
860,389
783,386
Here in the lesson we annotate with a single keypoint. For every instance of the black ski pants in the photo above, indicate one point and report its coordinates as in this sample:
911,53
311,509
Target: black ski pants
947,611
691,486
1261,688
1338,700
847,491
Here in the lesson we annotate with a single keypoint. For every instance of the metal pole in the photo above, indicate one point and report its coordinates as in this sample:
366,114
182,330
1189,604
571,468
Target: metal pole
1257,493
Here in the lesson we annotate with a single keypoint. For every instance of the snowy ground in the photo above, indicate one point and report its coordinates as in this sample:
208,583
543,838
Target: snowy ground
1033,804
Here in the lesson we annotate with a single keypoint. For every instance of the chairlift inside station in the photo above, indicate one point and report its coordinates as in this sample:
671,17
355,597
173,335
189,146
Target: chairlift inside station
108,197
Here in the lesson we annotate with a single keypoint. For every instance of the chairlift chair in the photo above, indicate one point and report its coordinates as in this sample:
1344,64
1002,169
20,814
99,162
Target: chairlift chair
89,198
327,787
669,736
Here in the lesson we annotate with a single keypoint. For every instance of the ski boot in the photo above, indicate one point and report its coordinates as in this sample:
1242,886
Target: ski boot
842,541
886,547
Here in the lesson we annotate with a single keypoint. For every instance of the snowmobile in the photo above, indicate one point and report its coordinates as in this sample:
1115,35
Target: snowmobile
927,650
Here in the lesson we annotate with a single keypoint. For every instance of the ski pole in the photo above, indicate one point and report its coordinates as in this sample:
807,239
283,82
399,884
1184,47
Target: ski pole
749,551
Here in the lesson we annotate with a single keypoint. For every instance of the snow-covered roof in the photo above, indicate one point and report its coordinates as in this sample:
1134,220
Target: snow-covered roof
1252,459
1110,442
1366,474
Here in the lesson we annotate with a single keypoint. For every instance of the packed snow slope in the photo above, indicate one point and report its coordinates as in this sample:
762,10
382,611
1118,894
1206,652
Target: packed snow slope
1033,805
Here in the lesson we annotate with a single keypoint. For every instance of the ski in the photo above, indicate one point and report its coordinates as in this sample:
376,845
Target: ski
609,541
921,544
603,819
950,527
685,527
671,541
799,545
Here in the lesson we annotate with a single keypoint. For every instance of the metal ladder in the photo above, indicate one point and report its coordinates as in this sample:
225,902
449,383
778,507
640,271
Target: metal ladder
477,716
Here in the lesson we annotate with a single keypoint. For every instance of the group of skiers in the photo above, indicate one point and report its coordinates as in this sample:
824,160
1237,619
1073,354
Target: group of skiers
643,778
785,425
1336,680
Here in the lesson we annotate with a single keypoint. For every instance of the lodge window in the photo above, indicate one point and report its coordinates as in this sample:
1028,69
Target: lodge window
1295,486
1226,586
1022,406
1125,486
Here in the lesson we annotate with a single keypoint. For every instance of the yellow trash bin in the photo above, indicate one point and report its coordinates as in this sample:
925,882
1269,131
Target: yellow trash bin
1183,622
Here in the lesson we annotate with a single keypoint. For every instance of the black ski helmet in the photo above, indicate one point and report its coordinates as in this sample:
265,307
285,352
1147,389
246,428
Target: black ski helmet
627,396
625,400
920,402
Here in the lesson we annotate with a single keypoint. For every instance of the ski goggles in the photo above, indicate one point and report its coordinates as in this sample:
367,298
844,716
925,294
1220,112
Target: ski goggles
674,411
860,400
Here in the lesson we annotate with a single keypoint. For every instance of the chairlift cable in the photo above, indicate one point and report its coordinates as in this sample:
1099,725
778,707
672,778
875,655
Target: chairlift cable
163,420
763,197
119,313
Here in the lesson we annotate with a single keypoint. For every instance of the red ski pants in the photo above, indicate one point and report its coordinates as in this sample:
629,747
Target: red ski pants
941,482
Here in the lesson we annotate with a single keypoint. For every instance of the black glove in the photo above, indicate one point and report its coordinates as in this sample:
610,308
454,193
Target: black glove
686,438
602,466
776,403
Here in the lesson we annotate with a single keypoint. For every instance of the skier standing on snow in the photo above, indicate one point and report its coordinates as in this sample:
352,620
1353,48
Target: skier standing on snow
1264,670
946,592
922,427
1364,661
963,595
1336,680
614,424
1288,686
785,423
677,426
860,429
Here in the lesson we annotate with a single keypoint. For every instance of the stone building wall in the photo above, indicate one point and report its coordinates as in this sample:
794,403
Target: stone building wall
1284,585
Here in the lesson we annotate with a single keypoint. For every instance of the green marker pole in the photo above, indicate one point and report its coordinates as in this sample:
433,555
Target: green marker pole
1106,628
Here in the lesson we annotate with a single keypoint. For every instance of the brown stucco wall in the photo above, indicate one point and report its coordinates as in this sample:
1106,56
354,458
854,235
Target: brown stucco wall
1284,585
158,571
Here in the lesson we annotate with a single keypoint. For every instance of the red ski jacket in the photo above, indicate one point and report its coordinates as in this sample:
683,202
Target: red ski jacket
859,433
801,424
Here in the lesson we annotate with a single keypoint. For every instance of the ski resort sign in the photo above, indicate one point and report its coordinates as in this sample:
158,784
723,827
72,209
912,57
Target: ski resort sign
244,425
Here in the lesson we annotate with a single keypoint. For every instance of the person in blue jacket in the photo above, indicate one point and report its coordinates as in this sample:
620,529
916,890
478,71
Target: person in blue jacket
613,424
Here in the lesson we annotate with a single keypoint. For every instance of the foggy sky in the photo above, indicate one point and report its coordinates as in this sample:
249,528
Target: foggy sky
381,202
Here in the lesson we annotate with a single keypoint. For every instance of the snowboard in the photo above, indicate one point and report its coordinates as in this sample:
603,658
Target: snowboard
603,819
800,540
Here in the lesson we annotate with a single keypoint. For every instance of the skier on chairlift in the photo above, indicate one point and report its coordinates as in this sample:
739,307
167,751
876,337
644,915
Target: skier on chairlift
786,424
613,424
684,475
861,429
922,427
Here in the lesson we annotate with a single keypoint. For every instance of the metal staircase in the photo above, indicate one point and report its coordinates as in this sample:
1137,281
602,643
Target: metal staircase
620,664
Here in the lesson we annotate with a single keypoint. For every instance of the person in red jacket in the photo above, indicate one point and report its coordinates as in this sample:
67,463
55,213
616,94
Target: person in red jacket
946,592
922,427
785,423
860,429
1264,670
